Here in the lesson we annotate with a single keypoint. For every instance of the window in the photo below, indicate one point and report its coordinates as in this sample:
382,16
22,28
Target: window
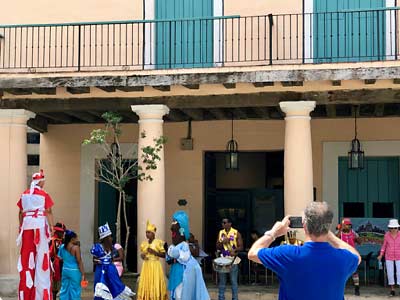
33,160
353,210
382,210
33,138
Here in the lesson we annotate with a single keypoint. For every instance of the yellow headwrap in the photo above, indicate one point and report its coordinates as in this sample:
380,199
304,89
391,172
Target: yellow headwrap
150,227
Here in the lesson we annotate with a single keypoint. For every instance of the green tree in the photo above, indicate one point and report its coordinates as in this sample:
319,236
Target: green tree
116,171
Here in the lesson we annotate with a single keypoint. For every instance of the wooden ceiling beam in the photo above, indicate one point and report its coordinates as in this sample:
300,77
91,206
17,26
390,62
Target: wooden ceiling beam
219,113
194,114
38,123
84,116
58,117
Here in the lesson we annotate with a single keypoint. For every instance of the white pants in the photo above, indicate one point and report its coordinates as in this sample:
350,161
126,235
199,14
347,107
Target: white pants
390,271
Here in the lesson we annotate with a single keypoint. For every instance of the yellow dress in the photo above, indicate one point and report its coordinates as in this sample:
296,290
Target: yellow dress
152,281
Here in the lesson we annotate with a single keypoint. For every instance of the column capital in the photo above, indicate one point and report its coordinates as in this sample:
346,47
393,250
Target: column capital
15,116
150,112
297,109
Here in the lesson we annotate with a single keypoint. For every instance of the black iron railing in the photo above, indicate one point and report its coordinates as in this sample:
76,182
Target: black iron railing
329,37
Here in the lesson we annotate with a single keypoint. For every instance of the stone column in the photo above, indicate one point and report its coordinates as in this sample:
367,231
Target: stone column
298,169
13,162
151,194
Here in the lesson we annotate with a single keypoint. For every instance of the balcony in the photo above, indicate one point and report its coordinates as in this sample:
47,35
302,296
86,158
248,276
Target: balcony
215,42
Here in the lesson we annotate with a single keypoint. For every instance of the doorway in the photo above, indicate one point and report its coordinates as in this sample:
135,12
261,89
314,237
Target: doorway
251,196
107,207
372,192
184,33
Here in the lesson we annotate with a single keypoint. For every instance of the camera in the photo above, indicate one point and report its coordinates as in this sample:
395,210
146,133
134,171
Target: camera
296,222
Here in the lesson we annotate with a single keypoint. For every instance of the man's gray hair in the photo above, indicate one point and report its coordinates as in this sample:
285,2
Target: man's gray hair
318,218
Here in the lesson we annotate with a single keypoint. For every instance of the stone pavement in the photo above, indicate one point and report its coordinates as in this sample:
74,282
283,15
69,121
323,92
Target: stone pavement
254,292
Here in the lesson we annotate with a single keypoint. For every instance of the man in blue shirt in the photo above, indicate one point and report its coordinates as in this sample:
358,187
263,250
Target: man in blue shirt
319,269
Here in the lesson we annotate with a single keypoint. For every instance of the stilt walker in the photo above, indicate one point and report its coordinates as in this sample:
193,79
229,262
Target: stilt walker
36,224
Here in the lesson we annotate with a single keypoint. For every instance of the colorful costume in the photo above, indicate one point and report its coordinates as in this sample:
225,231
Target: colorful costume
34,237
188,285
350,238
118,264
232,234
71,276
152,282
55,244
107,284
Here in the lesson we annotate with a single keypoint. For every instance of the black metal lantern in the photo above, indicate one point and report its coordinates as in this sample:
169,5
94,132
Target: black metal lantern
232,155
355,155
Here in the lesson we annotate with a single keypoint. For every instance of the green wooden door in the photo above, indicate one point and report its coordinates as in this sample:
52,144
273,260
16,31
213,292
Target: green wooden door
107,205
371,192
184,35
349,30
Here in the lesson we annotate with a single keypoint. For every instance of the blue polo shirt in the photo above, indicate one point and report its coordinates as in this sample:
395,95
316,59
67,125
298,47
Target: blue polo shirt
314,271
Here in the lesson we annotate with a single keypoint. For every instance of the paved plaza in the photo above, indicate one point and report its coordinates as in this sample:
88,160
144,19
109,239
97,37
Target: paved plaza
255,292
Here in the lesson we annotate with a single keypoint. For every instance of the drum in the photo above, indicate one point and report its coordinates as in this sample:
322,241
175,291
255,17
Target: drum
223,264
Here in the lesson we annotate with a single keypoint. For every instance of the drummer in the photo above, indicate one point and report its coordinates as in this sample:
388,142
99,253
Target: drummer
229,244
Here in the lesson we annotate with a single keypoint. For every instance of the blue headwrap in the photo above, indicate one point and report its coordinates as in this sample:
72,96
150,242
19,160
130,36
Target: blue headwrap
183,219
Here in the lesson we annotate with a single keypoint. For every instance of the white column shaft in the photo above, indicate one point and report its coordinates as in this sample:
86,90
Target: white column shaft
298,169
151,193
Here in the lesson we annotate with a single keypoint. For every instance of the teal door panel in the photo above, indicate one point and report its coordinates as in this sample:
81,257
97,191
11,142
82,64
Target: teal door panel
377,183
107,205
349,30
184,35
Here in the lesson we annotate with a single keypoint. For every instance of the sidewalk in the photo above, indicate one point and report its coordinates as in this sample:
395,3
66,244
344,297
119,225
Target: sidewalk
251,292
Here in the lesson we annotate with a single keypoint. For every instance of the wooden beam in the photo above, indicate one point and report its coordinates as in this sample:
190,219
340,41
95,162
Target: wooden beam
78,90
58,117
162,88
192,86
330,111
262,112
44,91
218,113
379,109
38,123
130,88
229,85
194,114
128,116
291,83
369,81
108,89
175,115
84,116
19,91
262,84
239,113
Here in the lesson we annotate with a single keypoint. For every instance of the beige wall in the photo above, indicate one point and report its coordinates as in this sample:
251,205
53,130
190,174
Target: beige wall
47,11
60,157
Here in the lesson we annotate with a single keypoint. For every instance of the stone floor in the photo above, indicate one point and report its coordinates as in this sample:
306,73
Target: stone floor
253,292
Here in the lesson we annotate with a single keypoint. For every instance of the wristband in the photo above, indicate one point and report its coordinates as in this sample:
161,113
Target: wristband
270,233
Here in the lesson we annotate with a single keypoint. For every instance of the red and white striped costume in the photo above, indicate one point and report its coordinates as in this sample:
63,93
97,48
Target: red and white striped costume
34,262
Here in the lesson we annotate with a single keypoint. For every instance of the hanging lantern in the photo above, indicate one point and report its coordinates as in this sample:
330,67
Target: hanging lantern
232,155
355,155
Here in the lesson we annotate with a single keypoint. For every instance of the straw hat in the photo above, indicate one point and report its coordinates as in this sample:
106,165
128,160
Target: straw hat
393,223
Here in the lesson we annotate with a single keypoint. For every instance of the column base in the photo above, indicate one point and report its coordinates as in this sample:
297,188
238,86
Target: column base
9,285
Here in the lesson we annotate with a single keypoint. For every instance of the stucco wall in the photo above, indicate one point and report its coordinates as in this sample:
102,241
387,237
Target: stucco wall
60,157
47,11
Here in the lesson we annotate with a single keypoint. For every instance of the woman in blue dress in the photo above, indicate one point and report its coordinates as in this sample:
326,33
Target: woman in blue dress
107,284
189,284
72,270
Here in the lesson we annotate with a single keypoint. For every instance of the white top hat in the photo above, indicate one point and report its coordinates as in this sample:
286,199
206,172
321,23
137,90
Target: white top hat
393,223
104,231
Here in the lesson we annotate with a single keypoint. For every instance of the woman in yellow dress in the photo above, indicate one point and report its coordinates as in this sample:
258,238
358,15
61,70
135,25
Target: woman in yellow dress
152,281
